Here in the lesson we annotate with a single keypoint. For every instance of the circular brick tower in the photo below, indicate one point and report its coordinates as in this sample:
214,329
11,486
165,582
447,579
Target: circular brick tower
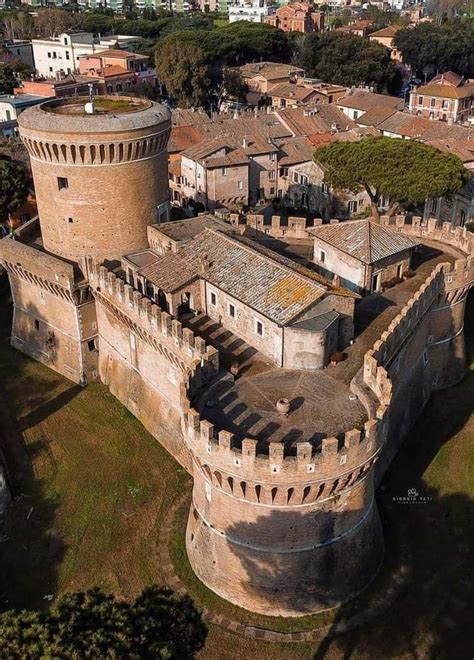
100,178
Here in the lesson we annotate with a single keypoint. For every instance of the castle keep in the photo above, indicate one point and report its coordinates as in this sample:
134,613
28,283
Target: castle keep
230,352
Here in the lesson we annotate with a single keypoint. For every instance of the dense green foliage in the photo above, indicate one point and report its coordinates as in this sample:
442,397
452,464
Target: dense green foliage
91,624
13,188
184,71
7,79
347,59
191,62
429,48
404,171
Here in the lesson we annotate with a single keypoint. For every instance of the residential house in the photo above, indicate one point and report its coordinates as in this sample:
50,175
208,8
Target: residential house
447,97
297,17
291,95
61,54
260,77
362,254
214,174
357,27
21,49
386,37
137,66
10,108
48,88
253,11
359,101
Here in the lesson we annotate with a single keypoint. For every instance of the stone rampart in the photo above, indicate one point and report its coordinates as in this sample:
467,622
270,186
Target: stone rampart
433,230
183,349
277,227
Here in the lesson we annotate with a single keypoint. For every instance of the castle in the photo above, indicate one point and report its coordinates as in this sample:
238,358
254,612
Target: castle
230,352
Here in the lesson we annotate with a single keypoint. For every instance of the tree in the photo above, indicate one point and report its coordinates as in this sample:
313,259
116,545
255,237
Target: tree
91,624
51,23
13,188
429,48
149,14
183,69
347,59
7,79
403,171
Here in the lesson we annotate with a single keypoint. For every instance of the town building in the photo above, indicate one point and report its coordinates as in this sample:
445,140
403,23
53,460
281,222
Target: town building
69,85
21,49
297,17
447,97
359,101
386,37
253,11
362,254
10,108
356,27
61,55
261,77
133,66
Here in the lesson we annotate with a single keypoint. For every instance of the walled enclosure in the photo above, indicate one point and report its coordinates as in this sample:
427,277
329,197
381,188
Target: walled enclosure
275,528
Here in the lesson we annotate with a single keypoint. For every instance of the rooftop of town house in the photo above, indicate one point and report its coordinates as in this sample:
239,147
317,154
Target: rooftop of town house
389,31
291,91
248,125
269,70
448,78
376,116
141,258
189,117
269,284
184,137
117,53
366,240
110,71
20,100
314,118
362,99
446,91
409,125
461,148
296,150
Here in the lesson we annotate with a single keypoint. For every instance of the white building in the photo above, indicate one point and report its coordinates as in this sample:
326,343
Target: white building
61,54
250,10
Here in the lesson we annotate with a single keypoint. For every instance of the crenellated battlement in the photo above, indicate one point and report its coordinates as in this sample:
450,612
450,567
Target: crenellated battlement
179,345
444,233
277,227
278,465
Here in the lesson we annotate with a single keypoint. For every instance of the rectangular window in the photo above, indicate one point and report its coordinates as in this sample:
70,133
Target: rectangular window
54,54
213,298
70,220
272,191
273,156
420,100
324,188
355,114
37,324
259,328
224,171
295,177
322,256
232,310
445,104
304,180
51,69
49,55
42,297
240,185
91,345
352,207
67,55
434,205
433,103
62,183
271,175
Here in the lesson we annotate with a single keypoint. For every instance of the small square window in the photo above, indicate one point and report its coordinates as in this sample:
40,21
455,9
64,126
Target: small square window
213,298
259,328
70,220
62,183
232,310
91,345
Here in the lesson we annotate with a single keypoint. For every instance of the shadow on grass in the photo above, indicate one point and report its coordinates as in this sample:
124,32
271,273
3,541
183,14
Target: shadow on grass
30,553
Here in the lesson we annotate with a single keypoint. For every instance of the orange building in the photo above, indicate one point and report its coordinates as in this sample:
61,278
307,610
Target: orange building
297,17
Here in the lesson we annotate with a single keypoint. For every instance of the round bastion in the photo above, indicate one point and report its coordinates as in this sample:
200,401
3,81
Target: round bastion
101,177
